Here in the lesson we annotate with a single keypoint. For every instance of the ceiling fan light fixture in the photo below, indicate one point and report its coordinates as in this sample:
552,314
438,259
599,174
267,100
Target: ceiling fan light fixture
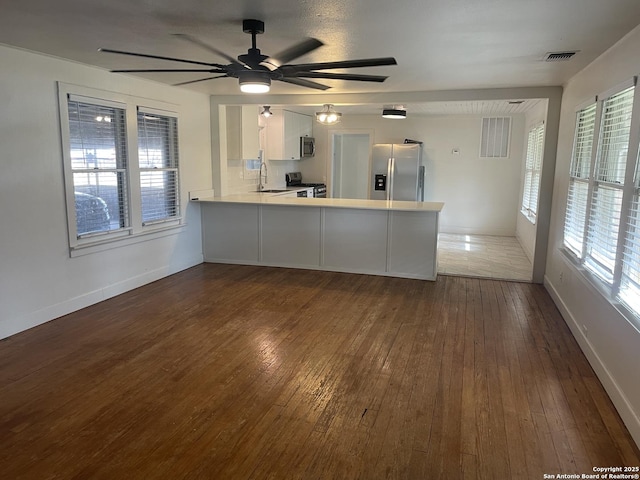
266,112
254,82
394,113
255,70
328,116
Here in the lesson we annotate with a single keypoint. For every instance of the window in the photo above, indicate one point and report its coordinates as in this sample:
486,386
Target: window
158,158
495,137
630,276
602,223
533,171
608,181
579,177
97,137
120,164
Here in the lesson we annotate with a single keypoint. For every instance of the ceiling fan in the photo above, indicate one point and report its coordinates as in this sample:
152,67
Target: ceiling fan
255,71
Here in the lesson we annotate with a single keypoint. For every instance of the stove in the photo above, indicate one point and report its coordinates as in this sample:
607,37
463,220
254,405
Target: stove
294,179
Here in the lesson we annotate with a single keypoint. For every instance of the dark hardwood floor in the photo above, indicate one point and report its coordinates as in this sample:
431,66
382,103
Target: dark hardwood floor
235,372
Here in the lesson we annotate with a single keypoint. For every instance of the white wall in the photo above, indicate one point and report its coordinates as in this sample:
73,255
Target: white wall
610,342
38,279
480,194
525,230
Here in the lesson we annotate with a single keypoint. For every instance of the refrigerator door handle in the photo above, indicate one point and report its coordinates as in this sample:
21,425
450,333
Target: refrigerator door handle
390,166
421,183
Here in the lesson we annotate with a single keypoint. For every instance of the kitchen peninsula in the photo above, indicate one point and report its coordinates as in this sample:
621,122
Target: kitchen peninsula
376,237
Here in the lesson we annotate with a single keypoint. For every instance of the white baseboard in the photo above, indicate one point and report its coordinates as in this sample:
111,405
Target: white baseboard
10,327
619,399
324,268
461,230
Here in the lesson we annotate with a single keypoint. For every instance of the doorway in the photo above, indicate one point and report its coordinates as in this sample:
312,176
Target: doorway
351,152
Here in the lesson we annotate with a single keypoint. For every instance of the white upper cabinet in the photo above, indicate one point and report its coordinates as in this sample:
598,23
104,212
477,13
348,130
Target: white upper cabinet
243,132
284,129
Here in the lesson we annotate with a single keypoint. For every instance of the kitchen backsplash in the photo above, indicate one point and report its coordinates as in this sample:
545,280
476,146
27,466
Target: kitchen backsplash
239,180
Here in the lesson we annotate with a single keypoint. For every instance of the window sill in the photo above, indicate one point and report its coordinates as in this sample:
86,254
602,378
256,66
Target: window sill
122,241
528,216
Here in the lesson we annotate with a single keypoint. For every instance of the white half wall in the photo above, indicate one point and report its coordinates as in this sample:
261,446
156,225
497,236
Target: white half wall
39,281
609,340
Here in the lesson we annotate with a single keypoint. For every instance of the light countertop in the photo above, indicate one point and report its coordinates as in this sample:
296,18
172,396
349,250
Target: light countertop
274,199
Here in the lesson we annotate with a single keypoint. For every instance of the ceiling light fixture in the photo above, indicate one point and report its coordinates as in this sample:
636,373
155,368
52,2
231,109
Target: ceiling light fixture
328,116
394,112
254,82
266,113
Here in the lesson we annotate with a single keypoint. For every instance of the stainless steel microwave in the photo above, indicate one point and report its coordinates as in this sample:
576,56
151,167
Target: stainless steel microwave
307,147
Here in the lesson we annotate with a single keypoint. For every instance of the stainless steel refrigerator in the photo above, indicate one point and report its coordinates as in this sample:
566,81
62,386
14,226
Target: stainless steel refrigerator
397,172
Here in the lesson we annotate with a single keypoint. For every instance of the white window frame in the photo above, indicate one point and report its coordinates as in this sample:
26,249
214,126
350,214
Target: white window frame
533,172
171,158
580,175
108,115
626,263
135,230
605,218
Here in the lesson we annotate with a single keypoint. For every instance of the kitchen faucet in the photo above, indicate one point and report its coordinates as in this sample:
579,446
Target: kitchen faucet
260,184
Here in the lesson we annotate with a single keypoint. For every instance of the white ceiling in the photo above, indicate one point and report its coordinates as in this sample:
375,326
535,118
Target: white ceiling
439,44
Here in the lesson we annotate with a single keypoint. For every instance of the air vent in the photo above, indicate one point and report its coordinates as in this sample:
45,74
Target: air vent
559,56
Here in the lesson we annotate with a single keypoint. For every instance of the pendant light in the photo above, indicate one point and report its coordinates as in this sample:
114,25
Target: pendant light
328,116
266,113
394,112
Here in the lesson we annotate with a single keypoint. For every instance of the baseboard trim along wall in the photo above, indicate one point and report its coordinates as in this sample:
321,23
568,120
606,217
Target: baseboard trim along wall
10,327
617,396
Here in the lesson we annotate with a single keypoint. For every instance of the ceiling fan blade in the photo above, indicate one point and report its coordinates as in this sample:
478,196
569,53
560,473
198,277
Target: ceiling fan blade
201,44
342,76
168,70
291,53
304,83
199,80
365,62
144,55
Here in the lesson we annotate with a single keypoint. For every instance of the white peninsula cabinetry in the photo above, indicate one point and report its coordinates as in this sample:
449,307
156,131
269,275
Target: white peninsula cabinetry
358,236
284,129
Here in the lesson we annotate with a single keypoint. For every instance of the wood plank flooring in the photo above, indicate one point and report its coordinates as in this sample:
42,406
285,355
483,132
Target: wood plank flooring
237,372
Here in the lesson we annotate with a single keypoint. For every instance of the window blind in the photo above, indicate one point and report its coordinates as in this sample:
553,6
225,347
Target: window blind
533,170
606,204
579,172
630,280
602,234
158,157
97,138
614,137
